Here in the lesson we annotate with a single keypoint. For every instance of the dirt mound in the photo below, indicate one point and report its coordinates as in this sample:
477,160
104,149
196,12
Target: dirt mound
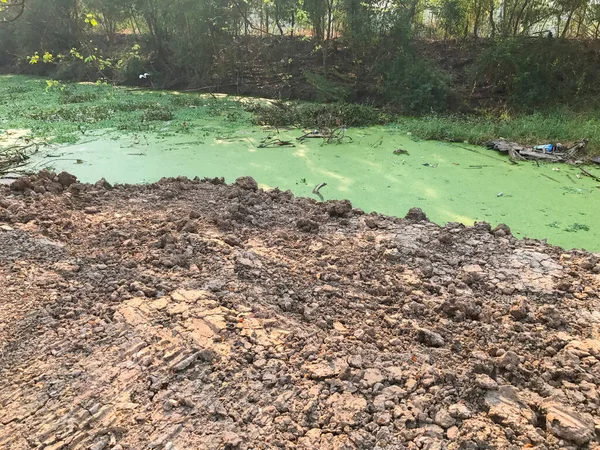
189,314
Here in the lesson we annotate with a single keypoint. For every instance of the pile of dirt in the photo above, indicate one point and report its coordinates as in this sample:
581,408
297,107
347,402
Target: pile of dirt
189,314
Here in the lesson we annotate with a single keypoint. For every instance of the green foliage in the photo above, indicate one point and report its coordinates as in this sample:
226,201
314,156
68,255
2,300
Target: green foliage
70,113
452,15
158,112
65,138
575,227
540,72
16,89
345,49
314,115
134,104
54,85
531,129
68,96
327,90
182,101
415,85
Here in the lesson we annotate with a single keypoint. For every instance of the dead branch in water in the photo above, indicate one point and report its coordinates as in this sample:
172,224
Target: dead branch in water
15,156
591,175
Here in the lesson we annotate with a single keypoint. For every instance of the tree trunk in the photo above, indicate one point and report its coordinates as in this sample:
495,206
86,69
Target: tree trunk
581,19
518,18
568,24
412,11
293,23
267,20
476,23
491,18
278,18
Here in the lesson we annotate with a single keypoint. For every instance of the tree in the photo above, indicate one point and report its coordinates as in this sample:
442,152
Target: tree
111,14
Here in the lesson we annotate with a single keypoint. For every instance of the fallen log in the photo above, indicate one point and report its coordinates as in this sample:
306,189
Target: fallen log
557,153
504,146
529,154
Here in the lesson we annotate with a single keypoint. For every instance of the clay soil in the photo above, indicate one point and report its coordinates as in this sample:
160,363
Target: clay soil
189,314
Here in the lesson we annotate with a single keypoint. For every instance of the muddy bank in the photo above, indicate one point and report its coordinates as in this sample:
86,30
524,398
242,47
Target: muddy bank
188,314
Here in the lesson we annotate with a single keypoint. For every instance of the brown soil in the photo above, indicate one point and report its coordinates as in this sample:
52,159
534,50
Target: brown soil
195,315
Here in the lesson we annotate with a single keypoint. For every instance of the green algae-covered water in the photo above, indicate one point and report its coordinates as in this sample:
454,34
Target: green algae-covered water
131,136
450,182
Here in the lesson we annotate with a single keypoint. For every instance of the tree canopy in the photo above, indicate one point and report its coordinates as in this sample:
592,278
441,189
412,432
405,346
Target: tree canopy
212,42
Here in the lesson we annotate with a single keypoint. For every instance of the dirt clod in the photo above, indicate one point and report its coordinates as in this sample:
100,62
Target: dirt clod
416,215
247,183
66,179
307,225
339,208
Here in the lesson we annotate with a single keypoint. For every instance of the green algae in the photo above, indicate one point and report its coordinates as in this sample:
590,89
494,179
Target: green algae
451,183
68,113
141,136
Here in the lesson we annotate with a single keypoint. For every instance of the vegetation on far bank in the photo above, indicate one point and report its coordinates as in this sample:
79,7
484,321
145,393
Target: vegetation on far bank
415,57
556,126
467,71
66,113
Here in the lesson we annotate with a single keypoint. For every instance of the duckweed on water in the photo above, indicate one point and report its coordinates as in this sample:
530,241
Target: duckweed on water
65,113
214,137
573,228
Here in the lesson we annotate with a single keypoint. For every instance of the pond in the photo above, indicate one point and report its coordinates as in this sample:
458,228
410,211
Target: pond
450,182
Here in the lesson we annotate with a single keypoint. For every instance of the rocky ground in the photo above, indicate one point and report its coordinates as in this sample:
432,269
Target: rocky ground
195,315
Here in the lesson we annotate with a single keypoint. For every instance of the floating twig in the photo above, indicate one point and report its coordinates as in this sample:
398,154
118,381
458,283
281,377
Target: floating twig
591,175
270,142
549,177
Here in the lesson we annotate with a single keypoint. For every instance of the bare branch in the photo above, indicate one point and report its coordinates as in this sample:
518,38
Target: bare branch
11,10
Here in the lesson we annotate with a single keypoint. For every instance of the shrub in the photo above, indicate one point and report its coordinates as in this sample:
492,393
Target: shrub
416,85
87,114
313,115
68,96
539,72
327,90
158,112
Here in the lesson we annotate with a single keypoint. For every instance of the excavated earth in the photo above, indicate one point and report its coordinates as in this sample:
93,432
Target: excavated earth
190,314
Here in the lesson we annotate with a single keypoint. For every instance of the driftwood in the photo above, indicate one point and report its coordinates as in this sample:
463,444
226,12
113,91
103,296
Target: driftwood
549,177
504,146
530,154
16,156
270,142
521,152
514,155
591,175
337,135
312,134
578,146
